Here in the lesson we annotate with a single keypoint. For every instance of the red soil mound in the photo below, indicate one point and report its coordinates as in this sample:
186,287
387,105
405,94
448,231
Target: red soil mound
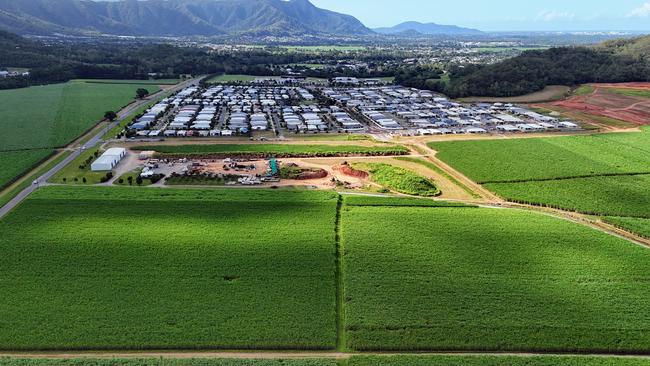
351,172
313,174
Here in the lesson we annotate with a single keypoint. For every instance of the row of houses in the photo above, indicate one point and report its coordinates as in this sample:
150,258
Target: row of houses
399,108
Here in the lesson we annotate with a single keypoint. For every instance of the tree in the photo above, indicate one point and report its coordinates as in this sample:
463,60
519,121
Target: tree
139,180
141,93
84,180
110,115
130,180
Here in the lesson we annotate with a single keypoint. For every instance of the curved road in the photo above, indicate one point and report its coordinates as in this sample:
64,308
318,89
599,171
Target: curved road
94,141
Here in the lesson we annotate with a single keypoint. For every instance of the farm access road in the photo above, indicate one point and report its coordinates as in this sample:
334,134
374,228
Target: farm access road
279,355
93,141
492,200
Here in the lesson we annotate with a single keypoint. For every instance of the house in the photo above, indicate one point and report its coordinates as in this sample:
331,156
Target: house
345,80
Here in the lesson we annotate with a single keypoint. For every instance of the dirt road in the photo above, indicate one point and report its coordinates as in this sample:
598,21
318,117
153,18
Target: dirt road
275,355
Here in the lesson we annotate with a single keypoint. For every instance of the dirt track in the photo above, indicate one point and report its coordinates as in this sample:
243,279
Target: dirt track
273,355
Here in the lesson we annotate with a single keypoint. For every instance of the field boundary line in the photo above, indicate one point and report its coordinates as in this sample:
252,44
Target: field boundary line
477,188
427,163
581,219
632,174
340,283
275,355
541,206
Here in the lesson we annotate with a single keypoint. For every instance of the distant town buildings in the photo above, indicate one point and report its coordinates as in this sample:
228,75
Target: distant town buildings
10,74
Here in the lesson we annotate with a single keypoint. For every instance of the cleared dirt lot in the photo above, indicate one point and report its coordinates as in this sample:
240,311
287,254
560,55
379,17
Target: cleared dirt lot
606,102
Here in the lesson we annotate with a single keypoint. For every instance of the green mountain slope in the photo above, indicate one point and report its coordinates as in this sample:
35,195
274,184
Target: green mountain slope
175,18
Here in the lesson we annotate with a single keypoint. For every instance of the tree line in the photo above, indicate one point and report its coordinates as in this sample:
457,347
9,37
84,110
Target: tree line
532,71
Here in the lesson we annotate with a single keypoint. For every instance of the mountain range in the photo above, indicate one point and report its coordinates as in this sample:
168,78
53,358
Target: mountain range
178,18
417,28
159,18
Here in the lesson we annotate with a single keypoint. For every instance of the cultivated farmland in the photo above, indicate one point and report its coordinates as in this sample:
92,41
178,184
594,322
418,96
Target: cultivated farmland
53,115
495,361
627,195
119,268
14,163
163,362
487,279
596,175
45,117
402,360
548,158
273,150
633,224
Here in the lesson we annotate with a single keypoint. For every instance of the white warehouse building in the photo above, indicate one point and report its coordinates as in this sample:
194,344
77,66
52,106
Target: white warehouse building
109,159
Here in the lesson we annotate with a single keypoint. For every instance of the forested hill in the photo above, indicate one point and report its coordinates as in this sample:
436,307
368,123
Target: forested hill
614,61
158,18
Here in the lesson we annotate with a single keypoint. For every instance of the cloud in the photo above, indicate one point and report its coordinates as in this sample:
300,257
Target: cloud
642,11
551,15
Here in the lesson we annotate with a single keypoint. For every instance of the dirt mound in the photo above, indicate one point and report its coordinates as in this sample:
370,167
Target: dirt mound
351,172
313,174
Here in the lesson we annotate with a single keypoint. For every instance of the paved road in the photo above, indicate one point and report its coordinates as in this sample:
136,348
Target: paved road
93,142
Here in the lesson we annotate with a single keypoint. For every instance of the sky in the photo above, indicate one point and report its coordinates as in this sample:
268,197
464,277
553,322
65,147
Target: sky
502,15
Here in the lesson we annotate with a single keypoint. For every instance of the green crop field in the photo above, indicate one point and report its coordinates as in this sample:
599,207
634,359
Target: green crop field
420,278
53,115
637,225
401,360
271,150
162,362
627,195
123,268
15,163
400,180
45,117
26,181
548,158
596,174
414,360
